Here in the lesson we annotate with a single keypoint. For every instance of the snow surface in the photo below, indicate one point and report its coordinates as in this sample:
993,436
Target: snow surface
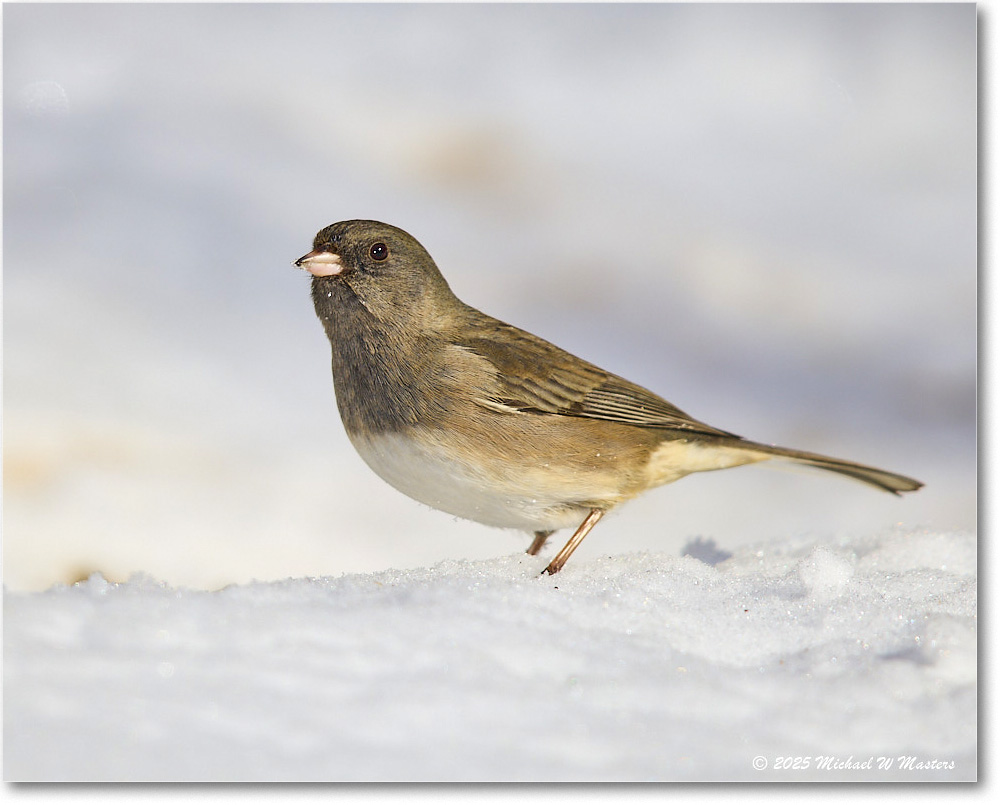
627,668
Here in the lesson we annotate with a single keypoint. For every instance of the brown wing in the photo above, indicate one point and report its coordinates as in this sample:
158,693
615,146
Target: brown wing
534,376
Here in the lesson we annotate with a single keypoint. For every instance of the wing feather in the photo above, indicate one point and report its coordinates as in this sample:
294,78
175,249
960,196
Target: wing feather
534,376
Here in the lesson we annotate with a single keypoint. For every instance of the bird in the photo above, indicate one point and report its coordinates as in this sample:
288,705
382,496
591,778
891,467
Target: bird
488,422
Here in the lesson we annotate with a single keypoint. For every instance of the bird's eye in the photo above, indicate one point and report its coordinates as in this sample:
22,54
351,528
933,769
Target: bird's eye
379,251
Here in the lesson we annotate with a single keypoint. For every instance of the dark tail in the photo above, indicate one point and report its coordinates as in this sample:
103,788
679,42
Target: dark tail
889,481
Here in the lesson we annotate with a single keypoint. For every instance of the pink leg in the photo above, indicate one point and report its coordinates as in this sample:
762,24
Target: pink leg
560,558
536,546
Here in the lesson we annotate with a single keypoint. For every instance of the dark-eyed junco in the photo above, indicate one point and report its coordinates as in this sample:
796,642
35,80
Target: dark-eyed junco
477,418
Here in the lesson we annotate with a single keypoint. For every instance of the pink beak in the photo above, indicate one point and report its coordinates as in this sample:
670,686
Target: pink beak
320,263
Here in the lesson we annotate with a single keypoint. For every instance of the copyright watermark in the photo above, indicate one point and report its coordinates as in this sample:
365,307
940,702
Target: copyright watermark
850,763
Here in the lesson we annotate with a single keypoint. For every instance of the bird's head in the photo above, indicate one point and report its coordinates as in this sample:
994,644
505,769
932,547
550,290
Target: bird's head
388,271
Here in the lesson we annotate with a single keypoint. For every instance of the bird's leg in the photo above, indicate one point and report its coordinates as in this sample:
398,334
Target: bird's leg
560,558
539,541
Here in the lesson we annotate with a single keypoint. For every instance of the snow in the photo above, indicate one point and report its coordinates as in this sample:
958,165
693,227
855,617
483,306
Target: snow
633,667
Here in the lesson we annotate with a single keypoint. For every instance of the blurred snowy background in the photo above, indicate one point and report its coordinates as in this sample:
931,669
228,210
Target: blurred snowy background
767,214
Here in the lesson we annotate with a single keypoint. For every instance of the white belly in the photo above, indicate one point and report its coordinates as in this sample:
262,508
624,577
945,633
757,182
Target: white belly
425,473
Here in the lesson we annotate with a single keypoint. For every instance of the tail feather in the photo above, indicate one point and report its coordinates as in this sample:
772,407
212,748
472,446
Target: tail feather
883,479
